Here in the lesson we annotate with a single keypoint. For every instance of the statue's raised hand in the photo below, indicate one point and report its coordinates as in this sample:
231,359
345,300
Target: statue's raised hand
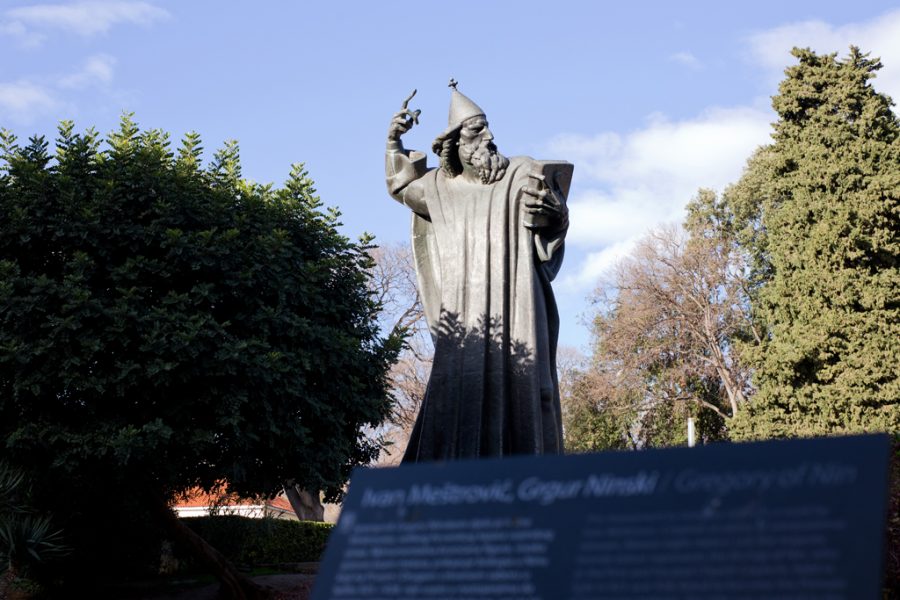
404,120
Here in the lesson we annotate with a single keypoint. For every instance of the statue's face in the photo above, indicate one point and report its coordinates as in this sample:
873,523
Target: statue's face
477,151
475,129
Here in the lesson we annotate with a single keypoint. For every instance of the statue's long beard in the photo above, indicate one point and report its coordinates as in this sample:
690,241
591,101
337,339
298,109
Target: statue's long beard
486,160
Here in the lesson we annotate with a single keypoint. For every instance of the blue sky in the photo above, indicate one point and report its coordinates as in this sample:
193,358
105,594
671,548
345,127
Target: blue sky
650,100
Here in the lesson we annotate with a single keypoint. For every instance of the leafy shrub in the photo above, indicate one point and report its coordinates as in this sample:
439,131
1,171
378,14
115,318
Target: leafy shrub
165,326
28,540
247,541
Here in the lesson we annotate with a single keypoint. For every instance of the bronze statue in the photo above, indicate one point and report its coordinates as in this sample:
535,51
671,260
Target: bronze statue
487,236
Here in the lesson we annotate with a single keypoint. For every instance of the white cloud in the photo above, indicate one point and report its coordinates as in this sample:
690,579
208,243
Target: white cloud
633,182
26,99
22,101
97,70
18,32
686,59
880,36
596,265
86,18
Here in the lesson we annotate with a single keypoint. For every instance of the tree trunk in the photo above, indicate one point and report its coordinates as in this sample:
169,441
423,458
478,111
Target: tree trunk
305,503
234,585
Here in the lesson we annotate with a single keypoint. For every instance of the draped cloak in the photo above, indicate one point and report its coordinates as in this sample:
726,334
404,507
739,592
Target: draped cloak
484,279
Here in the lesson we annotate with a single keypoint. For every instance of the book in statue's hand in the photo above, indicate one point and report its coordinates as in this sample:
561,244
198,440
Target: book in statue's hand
553,175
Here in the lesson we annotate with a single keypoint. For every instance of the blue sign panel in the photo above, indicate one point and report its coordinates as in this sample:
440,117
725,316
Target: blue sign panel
784,519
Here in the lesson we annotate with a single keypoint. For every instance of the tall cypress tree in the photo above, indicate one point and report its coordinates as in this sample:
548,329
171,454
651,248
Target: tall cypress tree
822,206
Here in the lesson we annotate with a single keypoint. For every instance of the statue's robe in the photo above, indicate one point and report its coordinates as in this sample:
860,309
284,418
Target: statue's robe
484,279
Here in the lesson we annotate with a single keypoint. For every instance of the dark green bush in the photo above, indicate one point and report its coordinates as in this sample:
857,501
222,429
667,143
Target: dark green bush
165,326
247,541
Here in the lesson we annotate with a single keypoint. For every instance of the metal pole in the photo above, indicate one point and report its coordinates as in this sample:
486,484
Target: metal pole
692,441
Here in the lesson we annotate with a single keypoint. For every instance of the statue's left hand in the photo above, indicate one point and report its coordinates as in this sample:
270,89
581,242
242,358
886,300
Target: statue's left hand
545,205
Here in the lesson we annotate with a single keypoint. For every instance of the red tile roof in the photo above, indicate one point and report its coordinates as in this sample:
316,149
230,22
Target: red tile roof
197,498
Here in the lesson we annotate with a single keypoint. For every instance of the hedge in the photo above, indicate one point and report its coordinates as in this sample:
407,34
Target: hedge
247,541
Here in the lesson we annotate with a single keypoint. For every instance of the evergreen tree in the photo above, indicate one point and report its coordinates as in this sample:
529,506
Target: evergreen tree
820,209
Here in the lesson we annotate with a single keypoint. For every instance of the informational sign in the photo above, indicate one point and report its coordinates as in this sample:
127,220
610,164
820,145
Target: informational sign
785,519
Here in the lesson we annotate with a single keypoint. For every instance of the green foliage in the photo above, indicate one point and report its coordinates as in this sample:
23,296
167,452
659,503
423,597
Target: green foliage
247,541
604,411
28,540
820,211
164,326
597,419
664,336
594,421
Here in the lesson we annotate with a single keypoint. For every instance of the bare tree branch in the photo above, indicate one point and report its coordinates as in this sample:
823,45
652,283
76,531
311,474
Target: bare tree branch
666,324
393,283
